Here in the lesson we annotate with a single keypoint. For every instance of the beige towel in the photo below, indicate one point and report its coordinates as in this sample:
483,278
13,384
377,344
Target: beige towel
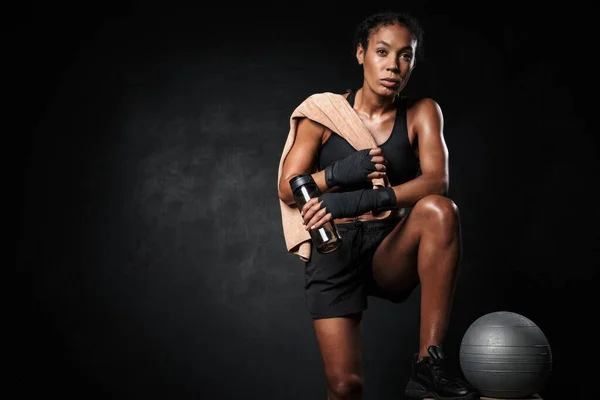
333,111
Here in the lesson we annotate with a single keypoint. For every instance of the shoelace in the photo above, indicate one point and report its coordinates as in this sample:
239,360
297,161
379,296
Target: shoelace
438,368
440,371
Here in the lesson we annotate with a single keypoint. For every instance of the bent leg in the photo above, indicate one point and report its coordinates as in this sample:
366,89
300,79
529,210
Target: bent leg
426,246
340,346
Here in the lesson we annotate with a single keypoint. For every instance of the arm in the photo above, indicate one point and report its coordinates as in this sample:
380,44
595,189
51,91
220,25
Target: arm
428,123
301,157
360,166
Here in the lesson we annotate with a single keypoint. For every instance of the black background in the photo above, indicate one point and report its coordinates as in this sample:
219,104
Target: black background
144,147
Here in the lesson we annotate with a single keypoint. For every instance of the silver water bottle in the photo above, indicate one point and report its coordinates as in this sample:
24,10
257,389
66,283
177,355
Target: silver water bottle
326,238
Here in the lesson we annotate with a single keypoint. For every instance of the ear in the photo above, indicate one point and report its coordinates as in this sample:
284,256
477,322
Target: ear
360,54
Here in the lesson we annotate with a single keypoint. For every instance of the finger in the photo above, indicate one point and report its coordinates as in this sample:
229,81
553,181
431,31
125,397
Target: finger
379,159
310,210
326,218
318,220
308,205
380,167
375,151
314,221
376,175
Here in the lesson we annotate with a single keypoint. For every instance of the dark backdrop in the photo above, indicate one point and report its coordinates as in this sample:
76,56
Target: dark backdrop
150,255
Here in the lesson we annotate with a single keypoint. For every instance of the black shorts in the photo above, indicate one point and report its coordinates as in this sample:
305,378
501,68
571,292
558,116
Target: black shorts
338,283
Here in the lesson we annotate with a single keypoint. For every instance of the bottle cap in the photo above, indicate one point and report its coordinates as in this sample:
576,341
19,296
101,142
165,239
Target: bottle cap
301,180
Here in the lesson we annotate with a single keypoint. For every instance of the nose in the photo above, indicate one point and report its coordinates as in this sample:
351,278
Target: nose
394,68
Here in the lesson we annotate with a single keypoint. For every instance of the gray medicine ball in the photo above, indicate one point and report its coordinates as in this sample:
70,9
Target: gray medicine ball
505,355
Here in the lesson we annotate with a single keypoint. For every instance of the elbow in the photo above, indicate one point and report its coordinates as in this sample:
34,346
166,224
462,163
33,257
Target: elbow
282,196
285,196
442,186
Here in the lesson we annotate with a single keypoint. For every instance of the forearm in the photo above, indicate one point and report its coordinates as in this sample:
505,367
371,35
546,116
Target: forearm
285,191
408,193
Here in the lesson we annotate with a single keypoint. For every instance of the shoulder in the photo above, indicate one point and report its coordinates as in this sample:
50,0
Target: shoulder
423,106
307,127
320,100
321,96
424,118
423,111
328,95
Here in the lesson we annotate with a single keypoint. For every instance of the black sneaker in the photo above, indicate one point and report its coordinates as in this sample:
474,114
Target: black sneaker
429,380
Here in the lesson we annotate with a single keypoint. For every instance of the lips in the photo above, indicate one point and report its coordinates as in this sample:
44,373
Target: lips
390,82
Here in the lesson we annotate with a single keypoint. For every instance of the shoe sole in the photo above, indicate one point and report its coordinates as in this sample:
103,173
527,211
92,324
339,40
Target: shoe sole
415,390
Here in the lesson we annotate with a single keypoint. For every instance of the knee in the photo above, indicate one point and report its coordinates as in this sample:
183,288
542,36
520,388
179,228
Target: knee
345,386
438,210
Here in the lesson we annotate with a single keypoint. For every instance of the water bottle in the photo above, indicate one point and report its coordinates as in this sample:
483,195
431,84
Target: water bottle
326,238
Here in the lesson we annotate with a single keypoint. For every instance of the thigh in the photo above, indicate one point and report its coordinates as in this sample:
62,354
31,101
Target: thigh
340,346
334,285
394,262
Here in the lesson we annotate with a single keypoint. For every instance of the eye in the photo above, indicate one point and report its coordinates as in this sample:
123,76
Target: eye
407,56
381,52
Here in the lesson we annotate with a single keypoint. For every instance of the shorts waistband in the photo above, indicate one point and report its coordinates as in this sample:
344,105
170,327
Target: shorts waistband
368,225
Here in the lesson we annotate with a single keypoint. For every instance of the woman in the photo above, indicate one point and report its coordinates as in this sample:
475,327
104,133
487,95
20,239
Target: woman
381,257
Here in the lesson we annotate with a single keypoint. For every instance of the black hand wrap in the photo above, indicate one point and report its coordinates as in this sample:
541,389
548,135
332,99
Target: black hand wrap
350,170
353,204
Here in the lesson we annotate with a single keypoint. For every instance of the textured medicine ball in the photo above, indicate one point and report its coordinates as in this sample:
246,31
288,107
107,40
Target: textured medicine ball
505,355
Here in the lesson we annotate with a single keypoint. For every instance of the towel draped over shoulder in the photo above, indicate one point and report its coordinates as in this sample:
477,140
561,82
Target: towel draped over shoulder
334,112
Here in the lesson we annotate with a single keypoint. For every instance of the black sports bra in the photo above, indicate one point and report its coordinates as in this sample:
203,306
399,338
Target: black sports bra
402,165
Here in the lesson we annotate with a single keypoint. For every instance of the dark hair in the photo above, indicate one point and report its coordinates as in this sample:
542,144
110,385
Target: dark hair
366,28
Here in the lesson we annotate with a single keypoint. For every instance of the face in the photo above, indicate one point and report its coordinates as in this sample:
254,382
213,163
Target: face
388,60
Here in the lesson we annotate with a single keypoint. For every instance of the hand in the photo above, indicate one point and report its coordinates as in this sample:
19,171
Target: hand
318,211
313,215
356,168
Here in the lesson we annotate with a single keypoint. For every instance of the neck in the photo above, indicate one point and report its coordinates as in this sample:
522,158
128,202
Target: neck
372,104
